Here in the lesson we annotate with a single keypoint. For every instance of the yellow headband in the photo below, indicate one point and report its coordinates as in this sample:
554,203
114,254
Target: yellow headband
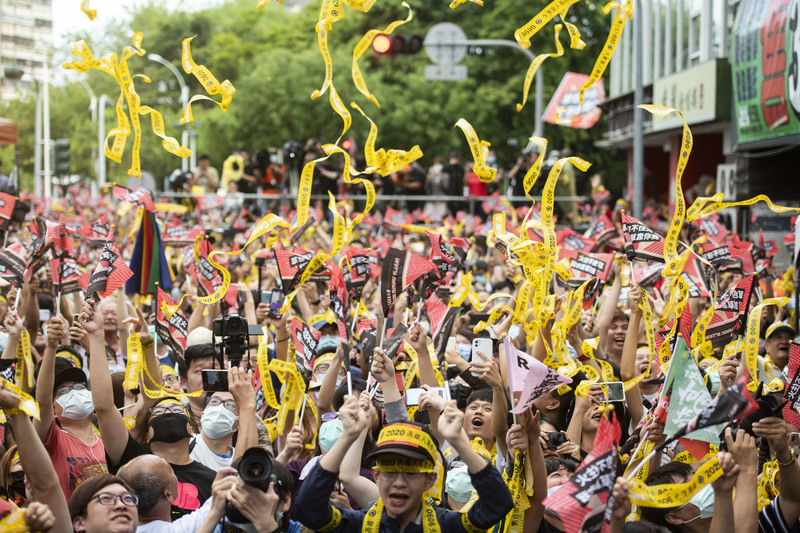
396,463
406,435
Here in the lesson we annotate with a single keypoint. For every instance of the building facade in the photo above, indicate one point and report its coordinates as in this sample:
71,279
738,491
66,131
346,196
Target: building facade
26,38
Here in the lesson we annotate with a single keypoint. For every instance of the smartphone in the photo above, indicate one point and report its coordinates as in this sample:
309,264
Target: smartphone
615,390
412,395
44,315
276,303
475,318
215,380
451,344
484,346
266,297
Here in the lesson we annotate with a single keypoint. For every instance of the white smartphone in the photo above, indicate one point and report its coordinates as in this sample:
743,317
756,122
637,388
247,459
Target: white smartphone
412,395
483,346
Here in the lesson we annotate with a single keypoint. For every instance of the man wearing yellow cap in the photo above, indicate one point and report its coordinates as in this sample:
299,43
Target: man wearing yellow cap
404,470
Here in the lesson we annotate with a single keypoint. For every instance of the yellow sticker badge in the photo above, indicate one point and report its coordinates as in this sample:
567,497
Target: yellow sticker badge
671,240
479,149
206,79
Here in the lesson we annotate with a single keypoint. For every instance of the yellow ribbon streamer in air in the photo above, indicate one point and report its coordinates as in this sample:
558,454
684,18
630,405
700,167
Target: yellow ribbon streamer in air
384,162
330,12
118,69
753,333
206,79
708,205
523,34
533,173
479,149
624,12
455,3
671,240
534,67
91,13
364,44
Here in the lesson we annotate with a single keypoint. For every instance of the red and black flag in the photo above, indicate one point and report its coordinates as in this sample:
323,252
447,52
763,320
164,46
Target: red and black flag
292,264
139,197
641,242
110,273
368,336
179,236
602,231
696,277
569,239
394,340
587,266
7,203
340,301
729,313
174,330
441,334
207,276
357,271
584,503
400,269
306,340
68,277
395,218
13,262
647,274
716,232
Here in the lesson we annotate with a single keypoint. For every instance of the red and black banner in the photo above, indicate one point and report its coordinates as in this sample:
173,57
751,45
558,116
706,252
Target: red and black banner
696,277
7,203
139,197
400,269
729,313
584,503
602,231
174,330
340,301
68,277
110,273
641,242
587,266
13,262
569,239
306,340
292,264
179,236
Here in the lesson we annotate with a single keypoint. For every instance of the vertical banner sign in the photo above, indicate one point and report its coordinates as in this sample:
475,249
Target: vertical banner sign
766,82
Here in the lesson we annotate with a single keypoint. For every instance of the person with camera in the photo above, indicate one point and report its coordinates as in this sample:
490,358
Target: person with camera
404,471
154,483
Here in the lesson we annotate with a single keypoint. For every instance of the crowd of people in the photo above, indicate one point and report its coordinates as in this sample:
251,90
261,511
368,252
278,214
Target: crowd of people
418,377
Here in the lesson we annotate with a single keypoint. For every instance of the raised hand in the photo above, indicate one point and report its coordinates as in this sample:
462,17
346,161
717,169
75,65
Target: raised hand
55,331
451,423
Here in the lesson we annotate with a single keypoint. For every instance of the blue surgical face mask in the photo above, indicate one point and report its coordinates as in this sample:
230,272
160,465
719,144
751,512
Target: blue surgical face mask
176,293
327,342
703,500
217,421
513,331
329,433
480,279
465,350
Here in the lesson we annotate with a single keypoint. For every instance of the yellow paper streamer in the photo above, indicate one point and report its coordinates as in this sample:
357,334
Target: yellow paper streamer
330,12
206,79
753,333
27,405
534,67
524,34
705,206
624,12
135,355
673,495
384,162
23,370
671,240
91,13
479,149
364,44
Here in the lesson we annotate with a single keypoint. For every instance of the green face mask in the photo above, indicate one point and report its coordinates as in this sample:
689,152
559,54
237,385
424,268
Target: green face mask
329,433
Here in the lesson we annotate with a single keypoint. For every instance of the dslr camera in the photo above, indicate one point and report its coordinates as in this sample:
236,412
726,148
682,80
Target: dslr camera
255,469
235,338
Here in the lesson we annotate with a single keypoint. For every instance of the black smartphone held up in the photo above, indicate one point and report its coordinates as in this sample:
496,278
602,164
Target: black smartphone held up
276,303
215,380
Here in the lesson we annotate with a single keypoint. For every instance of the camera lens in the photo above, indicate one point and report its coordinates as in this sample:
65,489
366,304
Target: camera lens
234,328
255,470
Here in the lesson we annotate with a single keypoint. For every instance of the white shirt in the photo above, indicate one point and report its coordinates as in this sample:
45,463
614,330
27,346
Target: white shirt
201,453
185,524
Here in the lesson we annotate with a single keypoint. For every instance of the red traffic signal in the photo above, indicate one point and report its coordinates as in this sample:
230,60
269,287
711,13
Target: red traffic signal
346,144
397,44
382,43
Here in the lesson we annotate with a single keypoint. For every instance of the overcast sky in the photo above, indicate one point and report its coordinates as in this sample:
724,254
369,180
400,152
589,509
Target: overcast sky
68,18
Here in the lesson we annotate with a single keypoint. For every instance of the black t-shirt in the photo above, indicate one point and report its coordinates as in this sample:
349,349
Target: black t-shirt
194,479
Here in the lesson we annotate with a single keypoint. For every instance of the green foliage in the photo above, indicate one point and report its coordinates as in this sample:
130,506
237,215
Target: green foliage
272,58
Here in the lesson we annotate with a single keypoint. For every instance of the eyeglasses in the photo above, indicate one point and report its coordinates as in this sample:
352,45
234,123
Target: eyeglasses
170,378
171,408
230,405
64,390
409,476
106,498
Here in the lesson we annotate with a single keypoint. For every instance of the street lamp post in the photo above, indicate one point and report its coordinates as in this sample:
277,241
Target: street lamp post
102,102
185,163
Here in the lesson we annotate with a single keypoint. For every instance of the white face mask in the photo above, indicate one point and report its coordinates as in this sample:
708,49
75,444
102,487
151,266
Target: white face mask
704,501
77,404
217,421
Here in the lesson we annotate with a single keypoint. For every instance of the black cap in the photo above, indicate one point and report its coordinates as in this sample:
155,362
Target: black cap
66,373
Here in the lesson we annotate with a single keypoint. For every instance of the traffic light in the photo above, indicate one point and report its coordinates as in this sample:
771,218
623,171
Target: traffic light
61,156
397,44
